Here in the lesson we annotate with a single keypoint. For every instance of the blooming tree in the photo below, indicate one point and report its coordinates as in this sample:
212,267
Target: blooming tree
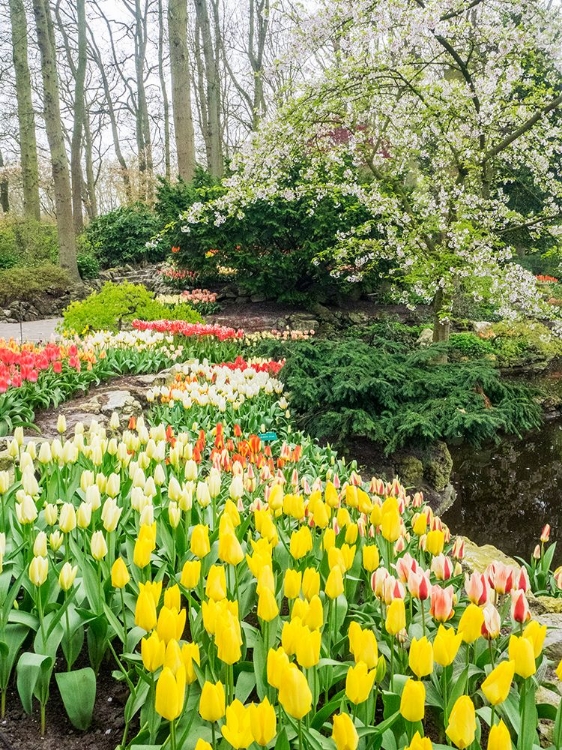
430,109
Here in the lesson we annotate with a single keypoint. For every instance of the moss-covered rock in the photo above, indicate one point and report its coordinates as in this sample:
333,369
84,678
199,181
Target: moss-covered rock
410,470
438,465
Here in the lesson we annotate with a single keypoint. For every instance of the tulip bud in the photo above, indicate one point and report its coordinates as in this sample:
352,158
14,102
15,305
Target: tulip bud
497,684
499,737
45,456
67,518
61,424
67,576
191,573
119,574
294,692
461,728
98,545
263,722
412,702
55,540
545,534
38,570
359,683
40,544
344,733
212,702
421,657
84,515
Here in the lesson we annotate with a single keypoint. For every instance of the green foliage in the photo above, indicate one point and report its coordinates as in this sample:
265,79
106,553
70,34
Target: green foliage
88,265
524,342
173,198
115,305
273,244
121,236
27,242
353,389
469,346
19,283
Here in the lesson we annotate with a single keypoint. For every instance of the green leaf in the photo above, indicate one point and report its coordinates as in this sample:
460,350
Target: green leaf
282,742
78,693
31,669
15,635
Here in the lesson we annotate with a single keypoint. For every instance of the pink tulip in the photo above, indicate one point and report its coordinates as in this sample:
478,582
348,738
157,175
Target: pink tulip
442,600
519,606
442,566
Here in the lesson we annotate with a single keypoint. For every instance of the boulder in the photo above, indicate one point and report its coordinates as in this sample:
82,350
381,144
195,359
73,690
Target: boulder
438,465
425,338
410,471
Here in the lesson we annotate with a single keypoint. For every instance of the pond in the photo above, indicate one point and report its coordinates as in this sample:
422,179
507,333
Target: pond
507,492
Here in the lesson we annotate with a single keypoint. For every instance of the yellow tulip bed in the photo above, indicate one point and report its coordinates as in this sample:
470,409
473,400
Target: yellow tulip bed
253,591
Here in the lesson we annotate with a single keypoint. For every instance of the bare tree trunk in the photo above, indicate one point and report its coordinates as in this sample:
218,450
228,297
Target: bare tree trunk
181,88
4,190
212,93
79,116
259,23
441,329
144,142
26,115
92,201
163,88
53,124
113,120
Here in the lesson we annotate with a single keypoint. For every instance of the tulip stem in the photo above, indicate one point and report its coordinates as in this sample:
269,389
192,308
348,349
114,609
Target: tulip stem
213,739
445,686
40,612
523,712
3,704
391,662
300,735
423,616
43,721
493,716
173,735
124,619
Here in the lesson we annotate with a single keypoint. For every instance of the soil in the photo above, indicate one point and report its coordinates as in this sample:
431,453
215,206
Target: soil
21,732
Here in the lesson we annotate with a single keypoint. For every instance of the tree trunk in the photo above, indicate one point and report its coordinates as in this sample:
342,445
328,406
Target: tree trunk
144,142
92,201
164,89
4,190
79,116
212,93
53,124
441,329
181,89
26,114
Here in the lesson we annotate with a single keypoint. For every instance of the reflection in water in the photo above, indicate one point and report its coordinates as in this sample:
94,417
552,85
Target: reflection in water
506,493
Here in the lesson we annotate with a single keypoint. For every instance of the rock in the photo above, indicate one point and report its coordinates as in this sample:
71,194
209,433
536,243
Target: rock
479,326
439,501
257,298
550,604
478,558
357,318
425,338
242,300
323,313
546,726
6,461
92,406
410,471
438,465
115,401
553,640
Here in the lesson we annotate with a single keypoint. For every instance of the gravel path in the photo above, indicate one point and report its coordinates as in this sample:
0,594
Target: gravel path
32,330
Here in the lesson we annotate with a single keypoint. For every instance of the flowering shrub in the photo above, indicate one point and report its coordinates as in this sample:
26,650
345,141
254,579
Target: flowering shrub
202,300
258,593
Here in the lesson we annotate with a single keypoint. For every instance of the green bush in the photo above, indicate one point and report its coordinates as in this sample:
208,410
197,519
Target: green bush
173,198
524,342
88,266
121,236
116,305
27,242
20,283
469,346
349,389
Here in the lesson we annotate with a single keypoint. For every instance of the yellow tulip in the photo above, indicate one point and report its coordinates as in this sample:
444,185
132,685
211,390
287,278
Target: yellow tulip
371,557
559,670
267,606
310,583
263,722
412,702
363,645
461,728
521,651
203,745
236,729
395,617
170,693
170,624
308,648
419,524
228,638
344,734
145,610
536,633
390,525
294,693
190,574
334,583
470,625
359,682
153,651
67,518
216,583
419,743
212,701
499,737
292,583
446,645
119,574
190,655
435,542
421,657
301,543
230,549
314,617
200,545
331,495
277,662
497,684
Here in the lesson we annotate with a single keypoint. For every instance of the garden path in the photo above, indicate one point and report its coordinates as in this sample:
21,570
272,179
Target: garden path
31,330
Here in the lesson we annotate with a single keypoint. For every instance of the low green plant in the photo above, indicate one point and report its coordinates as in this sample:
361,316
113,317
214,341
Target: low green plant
352,389
524,342
25,242
23,283
116,305
469,346
88,265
